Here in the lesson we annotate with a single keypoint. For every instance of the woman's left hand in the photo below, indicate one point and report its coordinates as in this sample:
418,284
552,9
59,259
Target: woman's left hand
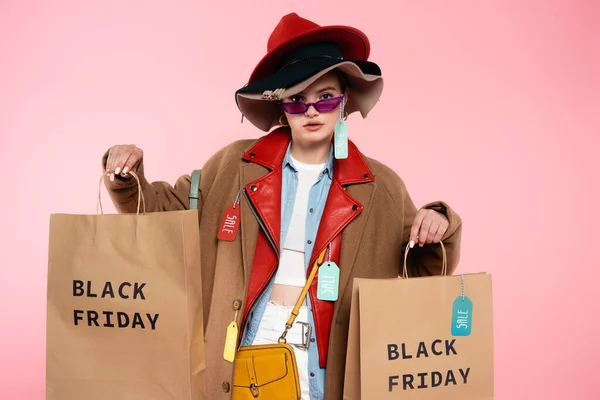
429,226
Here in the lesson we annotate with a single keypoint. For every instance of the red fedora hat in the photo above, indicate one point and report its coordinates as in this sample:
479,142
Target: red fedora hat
294,31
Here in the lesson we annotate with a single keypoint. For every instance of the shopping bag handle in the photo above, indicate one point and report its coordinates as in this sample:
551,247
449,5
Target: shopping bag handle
141,199
444,260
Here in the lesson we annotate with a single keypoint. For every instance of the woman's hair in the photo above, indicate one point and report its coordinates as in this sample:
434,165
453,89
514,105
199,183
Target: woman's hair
344,82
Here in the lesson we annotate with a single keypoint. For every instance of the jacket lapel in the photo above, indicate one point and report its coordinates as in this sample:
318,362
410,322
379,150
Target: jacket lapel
352,235
342,207
261,181
249,225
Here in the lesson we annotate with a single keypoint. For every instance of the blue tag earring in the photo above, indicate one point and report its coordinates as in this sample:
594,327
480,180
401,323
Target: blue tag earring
340,135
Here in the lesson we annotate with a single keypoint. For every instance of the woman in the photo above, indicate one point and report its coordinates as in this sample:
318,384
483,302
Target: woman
301,189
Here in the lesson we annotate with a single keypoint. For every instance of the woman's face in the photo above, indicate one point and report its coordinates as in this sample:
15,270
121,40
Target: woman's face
313,127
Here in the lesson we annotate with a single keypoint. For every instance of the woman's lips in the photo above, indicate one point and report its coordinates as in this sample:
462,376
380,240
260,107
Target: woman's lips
313,126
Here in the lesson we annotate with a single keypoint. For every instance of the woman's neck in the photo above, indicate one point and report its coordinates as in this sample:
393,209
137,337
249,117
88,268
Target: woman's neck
316,153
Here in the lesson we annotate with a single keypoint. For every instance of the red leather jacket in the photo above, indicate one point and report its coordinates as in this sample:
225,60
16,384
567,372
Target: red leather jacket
264,196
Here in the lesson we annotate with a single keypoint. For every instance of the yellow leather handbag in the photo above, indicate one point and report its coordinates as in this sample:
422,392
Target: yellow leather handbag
269,371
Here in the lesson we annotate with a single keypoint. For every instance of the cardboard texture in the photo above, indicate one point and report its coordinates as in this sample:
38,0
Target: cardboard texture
124,317
400,343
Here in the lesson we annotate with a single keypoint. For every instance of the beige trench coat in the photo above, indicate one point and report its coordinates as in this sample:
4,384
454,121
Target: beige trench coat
372,246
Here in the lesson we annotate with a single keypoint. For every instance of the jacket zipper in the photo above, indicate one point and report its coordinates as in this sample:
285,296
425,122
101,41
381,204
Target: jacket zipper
261,223
271,241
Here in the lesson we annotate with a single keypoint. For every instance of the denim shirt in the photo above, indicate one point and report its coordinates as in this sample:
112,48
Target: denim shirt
316,204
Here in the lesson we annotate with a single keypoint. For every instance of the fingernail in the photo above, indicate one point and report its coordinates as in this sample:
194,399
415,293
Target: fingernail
112,177
117,170
411,244
125,170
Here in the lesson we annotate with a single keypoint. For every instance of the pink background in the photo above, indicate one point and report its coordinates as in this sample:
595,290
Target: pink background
491,106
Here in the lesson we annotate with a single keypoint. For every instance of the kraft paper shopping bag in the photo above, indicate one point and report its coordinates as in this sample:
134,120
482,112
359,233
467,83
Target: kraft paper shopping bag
124,310
421,338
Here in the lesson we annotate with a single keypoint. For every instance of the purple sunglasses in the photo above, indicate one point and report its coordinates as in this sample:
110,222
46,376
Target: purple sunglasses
299,107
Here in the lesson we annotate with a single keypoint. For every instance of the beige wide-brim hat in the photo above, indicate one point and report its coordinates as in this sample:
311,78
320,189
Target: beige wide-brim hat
264,112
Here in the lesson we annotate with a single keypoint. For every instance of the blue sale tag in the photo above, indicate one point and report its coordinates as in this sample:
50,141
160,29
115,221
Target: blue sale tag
328,281
462,316
340,139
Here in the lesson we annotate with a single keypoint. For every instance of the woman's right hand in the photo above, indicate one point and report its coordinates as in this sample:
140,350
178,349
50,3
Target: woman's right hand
122,159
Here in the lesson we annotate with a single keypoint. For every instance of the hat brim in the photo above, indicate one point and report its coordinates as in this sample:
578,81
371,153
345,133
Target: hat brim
264,113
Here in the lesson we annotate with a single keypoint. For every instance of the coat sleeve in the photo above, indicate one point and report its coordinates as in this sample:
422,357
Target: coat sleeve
427,260
158,196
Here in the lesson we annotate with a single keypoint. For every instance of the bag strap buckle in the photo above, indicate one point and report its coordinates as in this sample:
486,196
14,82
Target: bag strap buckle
306,334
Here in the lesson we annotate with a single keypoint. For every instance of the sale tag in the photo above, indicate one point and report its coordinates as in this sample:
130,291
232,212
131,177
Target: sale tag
462,316
230,342
230,223
328,281
340,139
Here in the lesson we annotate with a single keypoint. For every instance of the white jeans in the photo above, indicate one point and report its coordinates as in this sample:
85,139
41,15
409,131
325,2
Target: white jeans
272,326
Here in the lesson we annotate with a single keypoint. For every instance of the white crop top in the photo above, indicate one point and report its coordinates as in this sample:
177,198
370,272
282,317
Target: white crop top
291,270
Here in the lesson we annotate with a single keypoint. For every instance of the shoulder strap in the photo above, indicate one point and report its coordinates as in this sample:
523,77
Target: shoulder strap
302,296
195,190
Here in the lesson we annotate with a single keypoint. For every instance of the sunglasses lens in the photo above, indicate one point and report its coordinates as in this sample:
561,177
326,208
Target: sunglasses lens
294,108
328,104
325,105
